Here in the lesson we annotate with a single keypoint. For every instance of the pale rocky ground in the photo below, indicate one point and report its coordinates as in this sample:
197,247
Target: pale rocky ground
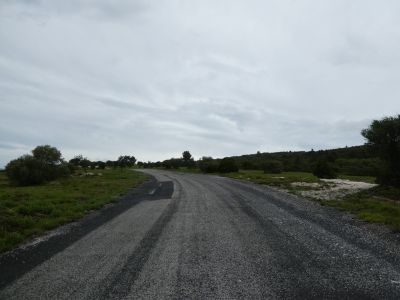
332,189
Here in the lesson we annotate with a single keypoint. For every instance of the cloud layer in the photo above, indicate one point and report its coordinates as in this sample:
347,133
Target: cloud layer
154,78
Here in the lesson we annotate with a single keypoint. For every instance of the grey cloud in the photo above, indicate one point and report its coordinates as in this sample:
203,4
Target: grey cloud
154,78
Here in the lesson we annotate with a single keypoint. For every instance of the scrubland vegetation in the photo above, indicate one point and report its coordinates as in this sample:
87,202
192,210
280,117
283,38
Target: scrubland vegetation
376,161
41,190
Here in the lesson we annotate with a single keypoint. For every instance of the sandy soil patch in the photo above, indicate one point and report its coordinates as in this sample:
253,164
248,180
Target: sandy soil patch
332,189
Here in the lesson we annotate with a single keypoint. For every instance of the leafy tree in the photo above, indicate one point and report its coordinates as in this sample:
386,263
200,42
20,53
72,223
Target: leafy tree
188,160
126,161
384,137
47,154
44,164
228,165
186,156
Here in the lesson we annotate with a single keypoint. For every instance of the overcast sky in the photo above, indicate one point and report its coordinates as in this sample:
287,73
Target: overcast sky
218,78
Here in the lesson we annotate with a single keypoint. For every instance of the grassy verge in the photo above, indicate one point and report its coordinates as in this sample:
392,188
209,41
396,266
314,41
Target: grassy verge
282,180
377,205
367,179
29,211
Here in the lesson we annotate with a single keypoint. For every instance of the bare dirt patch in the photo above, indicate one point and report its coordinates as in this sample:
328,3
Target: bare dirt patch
332,189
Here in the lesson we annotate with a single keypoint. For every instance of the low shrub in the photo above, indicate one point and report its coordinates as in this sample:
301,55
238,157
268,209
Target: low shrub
208,165
272,166
25,170
325,169
228,165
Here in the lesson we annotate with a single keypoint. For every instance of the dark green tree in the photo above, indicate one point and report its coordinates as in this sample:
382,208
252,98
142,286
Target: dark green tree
188,160
47,154
126,161
228,165
384,137
186,156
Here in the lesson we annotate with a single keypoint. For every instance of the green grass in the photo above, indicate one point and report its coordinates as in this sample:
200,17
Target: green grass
283,179
367,179
29,211
377,205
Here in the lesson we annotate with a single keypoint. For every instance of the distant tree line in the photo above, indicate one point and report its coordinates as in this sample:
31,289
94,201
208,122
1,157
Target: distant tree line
45,163
122,162
379,157
357,160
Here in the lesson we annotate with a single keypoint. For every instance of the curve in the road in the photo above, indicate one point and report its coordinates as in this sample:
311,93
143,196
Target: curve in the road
218,238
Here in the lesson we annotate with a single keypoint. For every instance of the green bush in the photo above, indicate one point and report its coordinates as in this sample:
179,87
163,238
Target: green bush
25,170
272,166
173,163
208,165
325,169
228,165
45,164
248,165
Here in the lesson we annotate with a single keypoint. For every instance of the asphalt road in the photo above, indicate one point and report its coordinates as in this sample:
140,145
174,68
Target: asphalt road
216,238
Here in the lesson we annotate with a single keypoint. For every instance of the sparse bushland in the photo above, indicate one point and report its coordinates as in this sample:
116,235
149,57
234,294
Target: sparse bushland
38,193
27,211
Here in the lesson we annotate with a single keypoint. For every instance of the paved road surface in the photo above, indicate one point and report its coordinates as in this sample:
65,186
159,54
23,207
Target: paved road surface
217,238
